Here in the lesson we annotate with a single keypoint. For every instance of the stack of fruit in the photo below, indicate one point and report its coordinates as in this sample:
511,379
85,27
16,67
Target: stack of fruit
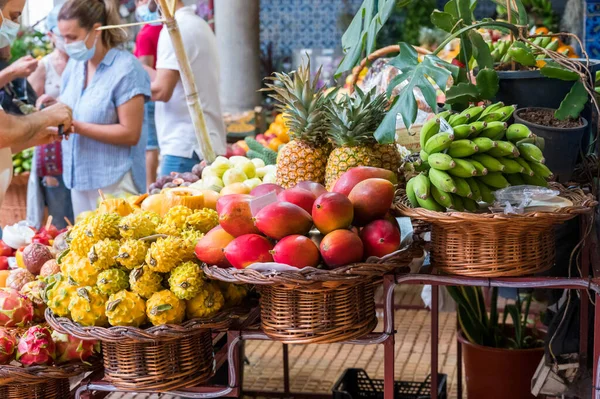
506,51
22,161
37,345
111,274
276,225
475,153
276,135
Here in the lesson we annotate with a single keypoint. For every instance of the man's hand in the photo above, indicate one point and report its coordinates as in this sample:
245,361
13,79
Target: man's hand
47,136
45,101
23,67
58,114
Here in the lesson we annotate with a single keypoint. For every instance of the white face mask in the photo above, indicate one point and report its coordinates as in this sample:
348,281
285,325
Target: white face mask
8,31
79,51
59,43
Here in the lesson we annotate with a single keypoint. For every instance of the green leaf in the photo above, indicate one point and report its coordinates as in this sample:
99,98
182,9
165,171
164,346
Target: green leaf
462,93
464,11
515,314
556,71
498,28
573,103
487,83
523,17
443,20
451,8
481,50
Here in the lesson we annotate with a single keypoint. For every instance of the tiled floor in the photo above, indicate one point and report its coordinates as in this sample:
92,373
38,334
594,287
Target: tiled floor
315,368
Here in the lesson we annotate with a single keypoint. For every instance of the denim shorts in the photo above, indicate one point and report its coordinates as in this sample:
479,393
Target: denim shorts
172,163
150,127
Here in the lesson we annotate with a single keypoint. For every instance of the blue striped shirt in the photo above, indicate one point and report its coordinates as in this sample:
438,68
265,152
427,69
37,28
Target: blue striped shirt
89,164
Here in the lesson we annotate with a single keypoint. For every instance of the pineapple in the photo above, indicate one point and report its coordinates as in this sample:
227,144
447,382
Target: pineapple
303,106
164,307
353,123
207,303
103,254
138,225
58,294
145,282
186,280
87,307
166,253
126,308
132,253
112,281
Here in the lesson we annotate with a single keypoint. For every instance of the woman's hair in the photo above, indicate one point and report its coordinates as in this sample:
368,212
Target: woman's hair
90,12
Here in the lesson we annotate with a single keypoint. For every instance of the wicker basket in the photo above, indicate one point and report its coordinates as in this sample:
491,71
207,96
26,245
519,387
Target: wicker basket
495,244
48,389
160,358
314,305
14,207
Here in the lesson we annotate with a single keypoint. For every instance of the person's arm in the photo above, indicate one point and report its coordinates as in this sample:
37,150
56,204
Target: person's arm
126,133
147,60
16,131
21,68
45,136
164,84
37,79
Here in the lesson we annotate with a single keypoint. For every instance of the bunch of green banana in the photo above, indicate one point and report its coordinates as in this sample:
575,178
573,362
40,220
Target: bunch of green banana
22,161
475,154
504,51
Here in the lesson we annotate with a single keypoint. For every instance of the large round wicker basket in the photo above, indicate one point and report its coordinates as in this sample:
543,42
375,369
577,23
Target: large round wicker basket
497,244
14,206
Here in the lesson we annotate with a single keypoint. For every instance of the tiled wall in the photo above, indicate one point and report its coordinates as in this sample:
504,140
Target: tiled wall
592,28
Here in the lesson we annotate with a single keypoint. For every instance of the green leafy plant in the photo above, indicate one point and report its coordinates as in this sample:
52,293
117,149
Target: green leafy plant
540,12
485,329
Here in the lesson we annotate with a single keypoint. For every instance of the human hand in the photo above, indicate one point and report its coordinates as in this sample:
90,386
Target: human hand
45,101
47,136
23,67
59,114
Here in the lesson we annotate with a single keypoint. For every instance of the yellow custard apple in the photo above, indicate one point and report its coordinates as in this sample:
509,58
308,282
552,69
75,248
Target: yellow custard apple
87,307
103,254
145,282
206,303
186,280
126,308
165,308
112,281
132,253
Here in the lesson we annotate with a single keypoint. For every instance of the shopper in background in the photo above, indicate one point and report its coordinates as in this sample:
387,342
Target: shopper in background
46,187
107,88
176,136
146,45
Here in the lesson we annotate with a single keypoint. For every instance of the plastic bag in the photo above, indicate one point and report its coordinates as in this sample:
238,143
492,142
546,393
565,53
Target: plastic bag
515,199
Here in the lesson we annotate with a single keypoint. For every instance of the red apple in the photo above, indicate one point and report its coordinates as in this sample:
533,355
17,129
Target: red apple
3,262
5,250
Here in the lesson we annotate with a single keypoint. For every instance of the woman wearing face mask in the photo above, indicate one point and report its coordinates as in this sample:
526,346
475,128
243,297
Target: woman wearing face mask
46,187
106,86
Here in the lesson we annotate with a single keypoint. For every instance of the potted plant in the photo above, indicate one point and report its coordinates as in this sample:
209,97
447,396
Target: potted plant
499,358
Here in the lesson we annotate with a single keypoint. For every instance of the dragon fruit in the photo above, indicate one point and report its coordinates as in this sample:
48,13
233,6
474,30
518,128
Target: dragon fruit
36,347
16,310
8,343
70,348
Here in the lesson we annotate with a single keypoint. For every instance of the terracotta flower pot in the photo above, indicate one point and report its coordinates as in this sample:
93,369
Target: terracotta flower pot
493,373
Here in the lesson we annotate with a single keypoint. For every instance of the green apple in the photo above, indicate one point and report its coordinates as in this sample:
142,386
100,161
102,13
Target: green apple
220,166
234,175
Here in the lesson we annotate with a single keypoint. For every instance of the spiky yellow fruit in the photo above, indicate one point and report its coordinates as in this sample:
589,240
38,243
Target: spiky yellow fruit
234,293
126,308
202,220
94,228
132,253
206,303
82,272
166,253
165,308
137,225
186,280
58,293
174,221
112,281
87,307
103,254
145,282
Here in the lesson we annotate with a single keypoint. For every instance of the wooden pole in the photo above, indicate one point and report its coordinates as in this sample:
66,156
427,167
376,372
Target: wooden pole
189,83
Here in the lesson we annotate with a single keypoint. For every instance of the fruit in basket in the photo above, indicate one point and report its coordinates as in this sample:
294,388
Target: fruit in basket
132,253
18,278
33,291
234,294
236,188
120,206
315,188
186,196
112,281
352,177
138,225
380,238
36,347
5,250
248,249
59,290
49,268
226,199
93,229
174,220
209,248
298,196
296,250
206,303
164,307
82,272
332,211
234,175
126,308
144,282
265,188
303,105
281,219
236,218
103,254
166,253
73,349
34,257
340,248
202,220
372,199
186,280
8,346
87,307
16,310
3,277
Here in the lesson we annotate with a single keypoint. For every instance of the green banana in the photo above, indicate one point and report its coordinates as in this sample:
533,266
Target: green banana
521,54
541,170
553,46
515,179
458,119
504,149
430,204
518,131
429,129
479,126
526,168
545,41
538,41
410,193
441,161
442,181
531,153
535,180
474,112
491,163
442,198
491,108
539,142
493,129
486,192
462,187
470,205
457,203
462,148
496,54
508,110
421,166
463,131
494,117
421,186
423,155
481,170
510,165
444,115
484,144
463,169
495,180
474,189
439,142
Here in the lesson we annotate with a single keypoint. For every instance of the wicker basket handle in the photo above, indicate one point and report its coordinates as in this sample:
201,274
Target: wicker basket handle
375,55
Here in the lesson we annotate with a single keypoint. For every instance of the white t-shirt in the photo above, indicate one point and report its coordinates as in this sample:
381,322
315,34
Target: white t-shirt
6,169
174,126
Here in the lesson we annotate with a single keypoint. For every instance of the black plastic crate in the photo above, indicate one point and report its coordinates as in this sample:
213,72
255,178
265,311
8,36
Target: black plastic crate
356,384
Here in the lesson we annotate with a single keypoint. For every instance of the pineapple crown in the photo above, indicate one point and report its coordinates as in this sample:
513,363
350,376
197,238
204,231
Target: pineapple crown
302,103
355,118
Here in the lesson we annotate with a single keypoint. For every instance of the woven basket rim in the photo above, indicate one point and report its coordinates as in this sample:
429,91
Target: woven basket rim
151,334
350,274
37,374
582,204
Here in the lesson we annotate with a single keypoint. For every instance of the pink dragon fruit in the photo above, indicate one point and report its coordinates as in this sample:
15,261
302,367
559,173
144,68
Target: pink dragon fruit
8,343
36,347
16,310
70,348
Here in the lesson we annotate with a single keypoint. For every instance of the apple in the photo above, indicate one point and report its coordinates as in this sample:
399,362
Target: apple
234,175
5,250
3,262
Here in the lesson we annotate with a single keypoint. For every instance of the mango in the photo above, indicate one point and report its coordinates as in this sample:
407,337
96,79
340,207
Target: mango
352,177
209,248
341,248
210,199
225,199
281,219
314,187
380,238
332,211
372,198
248,249
296,250
298,196
236,218
266,188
